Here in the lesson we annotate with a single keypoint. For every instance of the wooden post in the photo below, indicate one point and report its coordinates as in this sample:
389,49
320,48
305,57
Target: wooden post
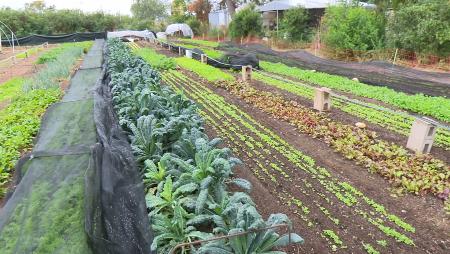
322,99
203,58
422,135
247,73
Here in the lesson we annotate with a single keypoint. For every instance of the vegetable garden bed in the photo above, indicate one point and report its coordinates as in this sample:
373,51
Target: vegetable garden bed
46,212
329,204
186,176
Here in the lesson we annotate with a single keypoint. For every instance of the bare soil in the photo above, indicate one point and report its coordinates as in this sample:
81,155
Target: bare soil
24,67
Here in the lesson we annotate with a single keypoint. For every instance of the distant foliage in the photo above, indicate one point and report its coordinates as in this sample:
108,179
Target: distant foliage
148,12
351,27
423,27
246,22
294,24
50,21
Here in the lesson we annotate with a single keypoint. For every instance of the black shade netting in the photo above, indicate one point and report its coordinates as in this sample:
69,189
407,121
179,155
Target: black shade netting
39,39
78,191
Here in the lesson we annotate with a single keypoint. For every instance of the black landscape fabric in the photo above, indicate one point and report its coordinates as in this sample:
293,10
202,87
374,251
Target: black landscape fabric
36,39
379,73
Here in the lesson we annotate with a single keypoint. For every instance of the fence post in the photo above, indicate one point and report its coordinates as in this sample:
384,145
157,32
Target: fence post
203,58
422,135
395,56
247,73
322,99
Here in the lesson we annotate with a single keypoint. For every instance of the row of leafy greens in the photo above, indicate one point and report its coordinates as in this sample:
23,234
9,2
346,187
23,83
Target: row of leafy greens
186,175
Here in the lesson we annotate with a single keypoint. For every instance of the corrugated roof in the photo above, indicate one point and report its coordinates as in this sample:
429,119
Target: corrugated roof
307,4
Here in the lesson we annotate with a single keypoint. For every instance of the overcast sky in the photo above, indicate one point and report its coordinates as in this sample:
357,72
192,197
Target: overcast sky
110,6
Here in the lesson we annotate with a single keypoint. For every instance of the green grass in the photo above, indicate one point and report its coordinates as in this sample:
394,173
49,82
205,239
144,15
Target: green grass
208,72
53,53
11,88
438,107
157,61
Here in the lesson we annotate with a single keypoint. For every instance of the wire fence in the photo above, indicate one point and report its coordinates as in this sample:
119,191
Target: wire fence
217,63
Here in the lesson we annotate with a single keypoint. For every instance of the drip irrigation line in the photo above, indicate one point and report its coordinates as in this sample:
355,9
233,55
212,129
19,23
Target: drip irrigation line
342,97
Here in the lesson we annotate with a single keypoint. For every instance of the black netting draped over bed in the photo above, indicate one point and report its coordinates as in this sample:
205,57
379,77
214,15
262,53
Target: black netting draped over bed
78,191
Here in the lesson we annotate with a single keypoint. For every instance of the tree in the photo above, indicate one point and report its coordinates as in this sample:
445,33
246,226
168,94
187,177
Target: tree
246,22
233,4
36,6
201,9
422,27
295,24
352,27
383,5
150,10
178,11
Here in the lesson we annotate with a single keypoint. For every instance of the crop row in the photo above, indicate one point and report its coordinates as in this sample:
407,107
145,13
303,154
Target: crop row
157,61
375,114
10,89
438,107
206,71
20,120
398,123
185,174
415,173
209,44
233,124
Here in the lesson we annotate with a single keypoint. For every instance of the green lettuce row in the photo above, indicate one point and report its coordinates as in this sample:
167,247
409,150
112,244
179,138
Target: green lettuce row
438,107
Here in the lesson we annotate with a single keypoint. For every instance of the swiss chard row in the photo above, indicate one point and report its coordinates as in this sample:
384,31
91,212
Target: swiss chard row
186,175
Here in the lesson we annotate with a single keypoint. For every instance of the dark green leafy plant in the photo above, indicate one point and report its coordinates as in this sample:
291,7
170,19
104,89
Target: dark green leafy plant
185,174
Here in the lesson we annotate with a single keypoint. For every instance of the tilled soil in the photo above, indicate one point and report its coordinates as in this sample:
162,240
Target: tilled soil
374,73
23,68
424,213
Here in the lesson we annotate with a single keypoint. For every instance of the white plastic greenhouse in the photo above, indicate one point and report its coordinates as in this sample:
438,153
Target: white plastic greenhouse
184,29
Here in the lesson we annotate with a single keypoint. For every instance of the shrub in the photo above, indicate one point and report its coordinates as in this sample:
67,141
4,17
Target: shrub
295,24
195,25
354,28
423,27
247,22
